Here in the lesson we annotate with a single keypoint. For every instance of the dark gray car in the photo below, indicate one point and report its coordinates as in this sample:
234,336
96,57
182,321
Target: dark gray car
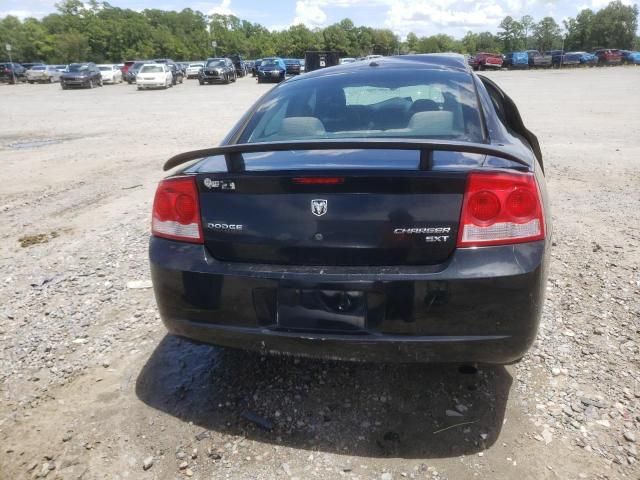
81,75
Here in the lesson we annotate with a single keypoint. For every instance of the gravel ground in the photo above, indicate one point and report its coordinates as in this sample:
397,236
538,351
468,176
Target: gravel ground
92,387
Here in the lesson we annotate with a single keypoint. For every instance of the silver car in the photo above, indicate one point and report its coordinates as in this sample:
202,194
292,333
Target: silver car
43,74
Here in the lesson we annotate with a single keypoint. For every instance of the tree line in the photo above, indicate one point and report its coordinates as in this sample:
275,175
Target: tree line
100,32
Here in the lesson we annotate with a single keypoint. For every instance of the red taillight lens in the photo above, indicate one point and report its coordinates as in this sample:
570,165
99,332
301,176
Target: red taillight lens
499,209
484,206
176,212
318,180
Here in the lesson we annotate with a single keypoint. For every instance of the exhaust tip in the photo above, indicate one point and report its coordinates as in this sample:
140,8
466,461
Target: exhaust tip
468,369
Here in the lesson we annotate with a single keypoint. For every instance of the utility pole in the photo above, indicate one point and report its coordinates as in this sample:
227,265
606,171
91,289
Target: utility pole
13,73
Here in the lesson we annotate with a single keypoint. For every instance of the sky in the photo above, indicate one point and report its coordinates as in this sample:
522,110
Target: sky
423,17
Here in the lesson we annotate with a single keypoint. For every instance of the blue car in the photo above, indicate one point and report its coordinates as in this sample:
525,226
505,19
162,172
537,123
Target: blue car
630,57
587,59
272,70
516,60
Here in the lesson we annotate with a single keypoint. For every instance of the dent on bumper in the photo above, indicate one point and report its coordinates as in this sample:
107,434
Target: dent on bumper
483,305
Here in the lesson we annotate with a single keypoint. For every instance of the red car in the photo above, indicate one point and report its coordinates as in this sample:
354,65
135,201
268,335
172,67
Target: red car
125,68
482,61
608,56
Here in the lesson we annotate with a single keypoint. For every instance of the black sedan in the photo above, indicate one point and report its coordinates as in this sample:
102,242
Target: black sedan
293,66
272,70
81,75
393,210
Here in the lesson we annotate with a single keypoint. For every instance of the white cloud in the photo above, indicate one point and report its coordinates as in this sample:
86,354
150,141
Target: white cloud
309,13
224,8
598,4
21,14
424,17
312,12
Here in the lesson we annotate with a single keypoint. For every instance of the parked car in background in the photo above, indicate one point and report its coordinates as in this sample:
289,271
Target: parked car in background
537,60
608,56
154,75
249,65
254,69
177,75
61,68
134,69
125,68
586,59
110,73
556,57
272,70
218,70
347,60
12,73
324,234
569,59
29,65
292,65
238,64
516,60
194,69
81,75
483,61
43,74
629,57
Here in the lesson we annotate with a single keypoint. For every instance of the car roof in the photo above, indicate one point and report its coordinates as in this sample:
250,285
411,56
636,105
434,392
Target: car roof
428,61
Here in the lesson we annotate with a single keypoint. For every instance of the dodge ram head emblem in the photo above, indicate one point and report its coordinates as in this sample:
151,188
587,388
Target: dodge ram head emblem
318,207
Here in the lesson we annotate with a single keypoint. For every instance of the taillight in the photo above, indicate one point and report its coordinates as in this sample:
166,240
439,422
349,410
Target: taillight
176,211
318,180
499,209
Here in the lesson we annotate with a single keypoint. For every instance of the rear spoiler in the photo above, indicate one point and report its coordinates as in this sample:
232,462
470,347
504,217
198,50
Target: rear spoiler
235,163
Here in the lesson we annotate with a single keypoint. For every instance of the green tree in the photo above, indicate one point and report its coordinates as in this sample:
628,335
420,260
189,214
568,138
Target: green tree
528,24
579,31
547,34
511,34
615,26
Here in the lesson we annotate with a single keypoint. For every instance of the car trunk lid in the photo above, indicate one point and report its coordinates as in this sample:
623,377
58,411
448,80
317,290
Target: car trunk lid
363,215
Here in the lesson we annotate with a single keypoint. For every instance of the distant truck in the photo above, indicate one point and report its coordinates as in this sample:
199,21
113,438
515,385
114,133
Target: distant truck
537,60
314,60
484,61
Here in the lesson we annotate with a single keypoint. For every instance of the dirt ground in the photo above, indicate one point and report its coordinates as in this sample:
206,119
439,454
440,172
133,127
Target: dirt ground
92,387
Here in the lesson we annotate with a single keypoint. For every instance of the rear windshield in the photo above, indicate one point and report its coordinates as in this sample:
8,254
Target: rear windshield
39,68
390,103
152,69
105,69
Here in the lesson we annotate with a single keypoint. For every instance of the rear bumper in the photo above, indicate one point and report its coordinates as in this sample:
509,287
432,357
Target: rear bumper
482,306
